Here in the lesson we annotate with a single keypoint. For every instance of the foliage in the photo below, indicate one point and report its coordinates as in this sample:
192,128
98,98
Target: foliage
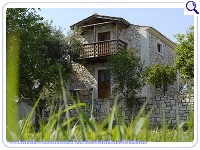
185,53
75,44
126,71
161,76
185,59
41,48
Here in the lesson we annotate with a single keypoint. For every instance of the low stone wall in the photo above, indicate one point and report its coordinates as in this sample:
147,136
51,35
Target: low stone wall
169,105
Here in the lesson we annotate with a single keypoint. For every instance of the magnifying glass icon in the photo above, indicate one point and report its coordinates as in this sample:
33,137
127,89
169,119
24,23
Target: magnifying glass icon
191,6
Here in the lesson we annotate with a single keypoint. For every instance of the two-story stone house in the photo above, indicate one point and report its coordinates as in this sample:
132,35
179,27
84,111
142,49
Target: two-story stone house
104,36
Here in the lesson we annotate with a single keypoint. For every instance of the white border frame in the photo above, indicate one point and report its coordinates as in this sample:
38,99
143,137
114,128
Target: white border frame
109,4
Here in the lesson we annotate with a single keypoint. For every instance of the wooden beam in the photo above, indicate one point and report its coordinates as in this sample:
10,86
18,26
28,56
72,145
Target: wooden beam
96,24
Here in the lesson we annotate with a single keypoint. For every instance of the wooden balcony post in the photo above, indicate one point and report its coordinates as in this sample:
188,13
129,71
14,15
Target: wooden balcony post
117,36
95,50
94,33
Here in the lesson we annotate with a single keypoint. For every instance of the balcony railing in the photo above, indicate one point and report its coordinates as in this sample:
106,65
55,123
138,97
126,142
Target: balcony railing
102,48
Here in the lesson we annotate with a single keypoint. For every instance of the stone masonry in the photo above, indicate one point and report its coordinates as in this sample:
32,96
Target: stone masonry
133,37
171,107
166,58
144,41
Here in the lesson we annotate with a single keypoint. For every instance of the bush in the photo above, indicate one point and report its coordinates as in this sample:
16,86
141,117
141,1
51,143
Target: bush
126,71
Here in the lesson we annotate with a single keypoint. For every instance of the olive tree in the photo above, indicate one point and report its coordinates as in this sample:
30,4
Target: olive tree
127,72
161,76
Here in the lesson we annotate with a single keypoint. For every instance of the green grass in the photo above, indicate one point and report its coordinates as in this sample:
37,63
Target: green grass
82,128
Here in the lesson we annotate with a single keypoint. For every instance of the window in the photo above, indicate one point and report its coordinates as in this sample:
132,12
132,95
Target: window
159,48
103,36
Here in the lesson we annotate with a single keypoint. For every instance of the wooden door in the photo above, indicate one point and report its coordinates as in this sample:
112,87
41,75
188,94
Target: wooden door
103,84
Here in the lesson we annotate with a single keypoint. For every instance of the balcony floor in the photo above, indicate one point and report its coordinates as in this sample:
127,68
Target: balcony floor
99,59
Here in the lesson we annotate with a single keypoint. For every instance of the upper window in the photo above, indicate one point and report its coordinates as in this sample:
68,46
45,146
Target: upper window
104,36
159,48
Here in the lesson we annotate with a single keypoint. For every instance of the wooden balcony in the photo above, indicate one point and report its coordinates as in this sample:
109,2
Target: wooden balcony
100,50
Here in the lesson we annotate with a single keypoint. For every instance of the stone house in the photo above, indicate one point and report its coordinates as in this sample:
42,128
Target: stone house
104,36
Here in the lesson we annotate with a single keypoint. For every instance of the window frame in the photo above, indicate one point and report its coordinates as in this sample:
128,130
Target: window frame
161,46
101,31
107,33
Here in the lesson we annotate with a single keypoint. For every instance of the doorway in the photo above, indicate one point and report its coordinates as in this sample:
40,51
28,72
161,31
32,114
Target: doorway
103,84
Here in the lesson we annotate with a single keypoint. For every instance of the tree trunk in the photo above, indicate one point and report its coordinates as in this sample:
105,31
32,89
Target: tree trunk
129,108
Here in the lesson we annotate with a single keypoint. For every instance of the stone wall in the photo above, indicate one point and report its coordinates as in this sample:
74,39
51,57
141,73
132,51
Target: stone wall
89,36
166,58
83,78
169,105
132,37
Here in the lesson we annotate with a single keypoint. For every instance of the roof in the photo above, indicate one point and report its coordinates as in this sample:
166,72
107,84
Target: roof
97,19
100,19
161,36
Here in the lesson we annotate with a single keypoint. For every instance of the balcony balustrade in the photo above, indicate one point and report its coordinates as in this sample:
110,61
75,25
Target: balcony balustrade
102,48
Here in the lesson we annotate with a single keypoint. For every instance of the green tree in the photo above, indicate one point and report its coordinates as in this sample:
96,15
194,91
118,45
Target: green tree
185,58
75,44
161,76
41,49
126,71
185,53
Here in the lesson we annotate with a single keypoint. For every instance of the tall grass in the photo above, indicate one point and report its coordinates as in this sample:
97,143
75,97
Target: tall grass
12,70
82,128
